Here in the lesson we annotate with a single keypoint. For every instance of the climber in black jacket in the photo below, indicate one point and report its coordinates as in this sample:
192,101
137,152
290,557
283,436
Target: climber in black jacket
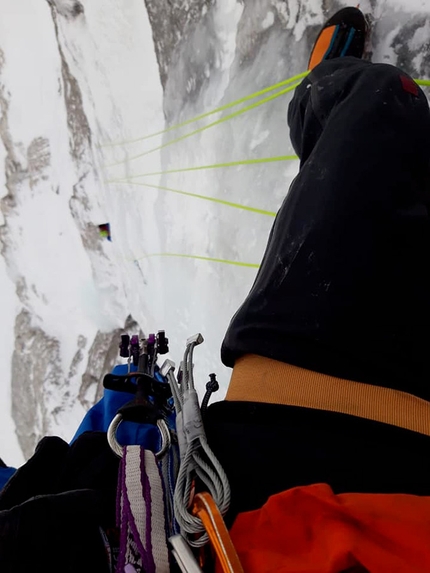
331,377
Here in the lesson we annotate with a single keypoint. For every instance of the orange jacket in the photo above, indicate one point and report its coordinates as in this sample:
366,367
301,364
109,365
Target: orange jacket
312,530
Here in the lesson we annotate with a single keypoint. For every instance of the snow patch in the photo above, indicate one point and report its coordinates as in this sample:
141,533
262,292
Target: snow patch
297,17
258,139
3,181
226,18
421,39
268,20
409,6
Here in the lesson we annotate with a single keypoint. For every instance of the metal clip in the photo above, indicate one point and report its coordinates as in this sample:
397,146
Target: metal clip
183,555
207,511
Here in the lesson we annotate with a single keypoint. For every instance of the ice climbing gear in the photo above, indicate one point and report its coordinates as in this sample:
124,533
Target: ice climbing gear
197,459
206,509
157,488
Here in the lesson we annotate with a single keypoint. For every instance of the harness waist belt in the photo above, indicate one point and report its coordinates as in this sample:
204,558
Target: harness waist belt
259,379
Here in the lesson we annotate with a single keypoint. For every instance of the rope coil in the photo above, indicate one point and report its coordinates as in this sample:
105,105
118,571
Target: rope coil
197,459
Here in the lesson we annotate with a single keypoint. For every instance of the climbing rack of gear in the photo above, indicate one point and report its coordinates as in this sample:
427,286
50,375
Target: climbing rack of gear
172,491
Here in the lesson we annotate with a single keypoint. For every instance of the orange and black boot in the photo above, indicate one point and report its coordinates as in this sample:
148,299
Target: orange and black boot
343,34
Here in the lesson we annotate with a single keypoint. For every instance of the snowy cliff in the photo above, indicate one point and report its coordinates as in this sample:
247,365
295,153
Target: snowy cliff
80,84
71,77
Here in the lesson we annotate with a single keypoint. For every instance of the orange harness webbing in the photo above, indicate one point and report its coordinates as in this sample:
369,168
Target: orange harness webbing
258,379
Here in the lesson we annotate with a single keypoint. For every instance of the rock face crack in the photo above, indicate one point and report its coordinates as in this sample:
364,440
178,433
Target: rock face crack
35,375
67,8
170,22
15,171
79,128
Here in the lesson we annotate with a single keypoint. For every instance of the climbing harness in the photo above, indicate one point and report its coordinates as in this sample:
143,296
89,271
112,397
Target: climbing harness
172,491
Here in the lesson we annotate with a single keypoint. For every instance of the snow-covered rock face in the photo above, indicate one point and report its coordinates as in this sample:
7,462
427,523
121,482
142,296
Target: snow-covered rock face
171,21
66,293
81,82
